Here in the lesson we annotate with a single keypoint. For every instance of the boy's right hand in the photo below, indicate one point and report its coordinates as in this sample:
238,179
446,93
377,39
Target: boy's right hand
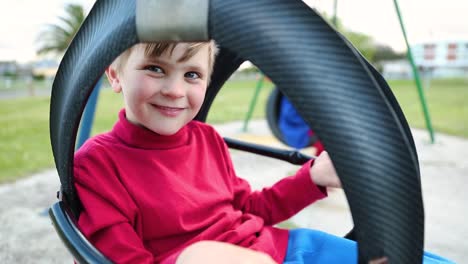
323,172
213,252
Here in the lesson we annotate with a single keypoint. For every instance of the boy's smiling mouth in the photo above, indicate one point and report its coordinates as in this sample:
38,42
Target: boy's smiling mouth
168,110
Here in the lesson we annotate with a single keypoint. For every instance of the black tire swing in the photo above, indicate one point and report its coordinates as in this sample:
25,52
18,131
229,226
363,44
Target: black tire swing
353,110
272,114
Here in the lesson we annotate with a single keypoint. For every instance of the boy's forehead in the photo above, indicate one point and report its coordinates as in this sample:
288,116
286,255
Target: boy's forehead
181,51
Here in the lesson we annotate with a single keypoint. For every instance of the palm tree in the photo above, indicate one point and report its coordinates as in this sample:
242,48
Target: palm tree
56,37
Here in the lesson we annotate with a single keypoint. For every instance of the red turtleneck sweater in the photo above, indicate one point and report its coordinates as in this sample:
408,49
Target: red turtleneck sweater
146,196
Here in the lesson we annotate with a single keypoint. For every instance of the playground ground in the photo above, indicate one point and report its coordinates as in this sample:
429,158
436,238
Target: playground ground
27,235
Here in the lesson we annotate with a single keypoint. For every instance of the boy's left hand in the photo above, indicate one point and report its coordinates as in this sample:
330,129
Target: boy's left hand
323,172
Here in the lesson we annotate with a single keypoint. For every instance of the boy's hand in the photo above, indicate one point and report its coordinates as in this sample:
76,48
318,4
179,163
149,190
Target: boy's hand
323,172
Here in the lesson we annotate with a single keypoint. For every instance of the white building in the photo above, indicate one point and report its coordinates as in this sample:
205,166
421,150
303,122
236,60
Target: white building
448,58
434,59
45,67
396,69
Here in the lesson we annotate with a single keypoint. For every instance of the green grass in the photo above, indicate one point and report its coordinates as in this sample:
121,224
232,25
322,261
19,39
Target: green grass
447,101
24,129
233,101
24,133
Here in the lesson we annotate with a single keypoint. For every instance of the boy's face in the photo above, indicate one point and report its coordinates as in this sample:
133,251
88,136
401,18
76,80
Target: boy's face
162,94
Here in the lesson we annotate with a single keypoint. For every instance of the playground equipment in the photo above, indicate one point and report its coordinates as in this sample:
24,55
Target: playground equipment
416,77
297,134
339,94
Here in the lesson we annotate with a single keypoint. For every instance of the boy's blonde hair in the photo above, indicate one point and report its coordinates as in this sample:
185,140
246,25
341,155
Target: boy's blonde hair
156,49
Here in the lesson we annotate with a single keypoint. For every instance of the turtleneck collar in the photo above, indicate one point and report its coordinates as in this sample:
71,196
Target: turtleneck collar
143,138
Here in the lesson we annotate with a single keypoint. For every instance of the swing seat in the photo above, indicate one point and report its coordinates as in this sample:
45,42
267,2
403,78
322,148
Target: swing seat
80,248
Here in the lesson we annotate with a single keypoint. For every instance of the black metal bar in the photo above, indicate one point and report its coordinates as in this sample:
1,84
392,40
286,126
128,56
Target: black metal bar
292,156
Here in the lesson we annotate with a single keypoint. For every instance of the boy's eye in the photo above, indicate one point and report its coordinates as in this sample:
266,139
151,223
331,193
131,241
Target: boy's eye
154,68
192,75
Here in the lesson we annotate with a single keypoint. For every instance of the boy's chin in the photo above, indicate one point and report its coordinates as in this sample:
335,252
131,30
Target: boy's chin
165,131
170,133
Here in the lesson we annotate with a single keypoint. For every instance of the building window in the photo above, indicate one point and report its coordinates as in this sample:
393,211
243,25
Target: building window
452,51
429,51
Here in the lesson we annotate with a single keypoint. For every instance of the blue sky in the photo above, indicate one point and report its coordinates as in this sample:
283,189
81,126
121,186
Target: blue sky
22,20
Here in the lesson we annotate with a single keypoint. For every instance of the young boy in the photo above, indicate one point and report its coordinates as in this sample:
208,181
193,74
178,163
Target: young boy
161,188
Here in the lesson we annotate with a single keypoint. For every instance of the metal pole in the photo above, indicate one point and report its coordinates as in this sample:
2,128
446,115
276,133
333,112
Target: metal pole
409,54
335,7
253,102
88,115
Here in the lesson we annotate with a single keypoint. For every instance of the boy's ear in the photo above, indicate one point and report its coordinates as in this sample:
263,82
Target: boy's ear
113,77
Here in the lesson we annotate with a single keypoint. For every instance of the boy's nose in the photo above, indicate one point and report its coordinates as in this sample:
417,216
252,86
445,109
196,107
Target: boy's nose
173,88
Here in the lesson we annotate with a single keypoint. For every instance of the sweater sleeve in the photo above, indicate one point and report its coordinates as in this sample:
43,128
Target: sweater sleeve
108,214
280,201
